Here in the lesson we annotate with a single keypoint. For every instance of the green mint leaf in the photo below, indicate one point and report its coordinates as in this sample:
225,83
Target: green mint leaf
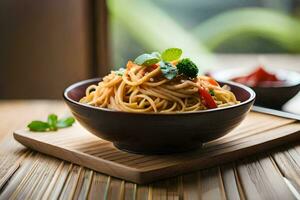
212,92
52,124
63,123
38,126
52,120
147,59
168,70
171,54
156,54
120,71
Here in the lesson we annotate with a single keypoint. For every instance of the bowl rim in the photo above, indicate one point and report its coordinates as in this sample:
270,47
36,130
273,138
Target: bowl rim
83,82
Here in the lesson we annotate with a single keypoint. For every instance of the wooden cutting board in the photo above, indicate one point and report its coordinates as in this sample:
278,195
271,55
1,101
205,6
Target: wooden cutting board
257,133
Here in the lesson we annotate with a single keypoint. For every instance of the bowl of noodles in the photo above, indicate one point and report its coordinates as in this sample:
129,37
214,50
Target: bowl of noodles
158,104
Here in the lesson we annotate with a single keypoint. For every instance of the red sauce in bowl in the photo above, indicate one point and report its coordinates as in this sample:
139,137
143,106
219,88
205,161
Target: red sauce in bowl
259,77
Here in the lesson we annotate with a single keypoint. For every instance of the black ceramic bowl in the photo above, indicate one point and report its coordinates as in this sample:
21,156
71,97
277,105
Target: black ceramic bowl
271,96
154,133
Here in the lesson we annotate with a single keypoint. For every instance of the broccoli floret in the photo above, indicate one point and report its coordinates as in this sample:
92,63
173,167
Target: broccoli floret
187,67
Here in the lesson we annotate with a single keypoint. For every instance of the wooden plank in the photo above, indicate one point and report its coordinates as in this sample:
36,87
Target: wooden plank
211,184
159,189
9,165
261,179
59,181
172,189
102,156
129,191
30,183
288,163
19,176
191,186
98,186
231,185
69,187
142,192
87,180
115,190
41,184
79,184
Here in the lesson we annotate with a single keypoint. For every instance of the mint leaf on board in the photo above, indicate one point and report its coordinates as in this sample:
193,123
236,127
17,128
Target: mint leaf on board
52,124
120,71
169,71
171,54
52,120
148,59
38,126
63,123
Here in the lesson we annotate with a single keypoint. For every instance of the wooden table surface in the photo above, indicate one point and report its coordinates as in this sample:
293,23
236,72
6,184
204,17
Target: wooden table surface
25,174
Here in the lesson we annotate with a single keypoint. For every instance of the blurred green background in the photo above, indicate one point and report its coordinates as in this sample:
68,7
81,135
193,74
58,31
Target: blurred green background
47,45
202,27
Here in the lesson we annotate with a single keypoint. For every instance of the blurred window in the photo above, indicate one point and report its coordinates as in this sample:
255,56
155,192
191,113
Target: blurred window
202,27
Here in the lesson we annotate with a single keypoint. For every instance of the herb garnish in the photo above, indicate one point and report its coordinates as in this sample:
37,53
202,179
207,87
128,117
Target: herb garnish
52,124
148,59
171,54
168,70
183,67
167,55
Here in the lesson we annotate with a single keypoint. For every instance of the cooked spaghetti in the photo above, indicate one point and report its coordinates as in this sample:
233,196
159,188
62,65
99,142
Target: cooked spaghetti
148,88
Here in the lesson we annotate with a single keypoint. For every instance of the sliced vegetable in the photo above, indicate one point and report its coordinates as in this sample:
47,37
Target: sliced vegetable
168,70
207,99
171,54
210,80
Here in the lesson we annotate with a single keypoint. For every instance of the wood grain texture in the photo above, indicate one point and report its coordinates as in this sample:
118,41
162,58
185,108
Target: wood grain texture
16,114
231,187
257,133
67,180
261,180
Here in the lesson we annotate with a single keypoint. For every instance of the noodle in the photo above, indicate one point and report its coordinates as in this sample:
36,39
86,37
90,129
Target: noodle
145,89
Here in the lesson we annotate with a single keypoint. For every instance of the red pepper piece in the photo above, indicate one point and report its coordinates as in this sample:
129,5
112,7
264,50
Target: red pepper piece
207,99
210,80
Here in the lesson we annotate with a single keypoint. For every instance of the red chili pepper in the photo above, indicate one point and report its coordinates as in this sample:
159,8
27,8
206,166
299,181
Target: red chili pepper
207,99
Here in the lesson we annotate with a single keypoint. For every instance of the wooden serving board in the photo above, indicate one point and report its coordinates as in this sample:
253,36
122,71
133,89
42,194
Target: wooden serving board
257,133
